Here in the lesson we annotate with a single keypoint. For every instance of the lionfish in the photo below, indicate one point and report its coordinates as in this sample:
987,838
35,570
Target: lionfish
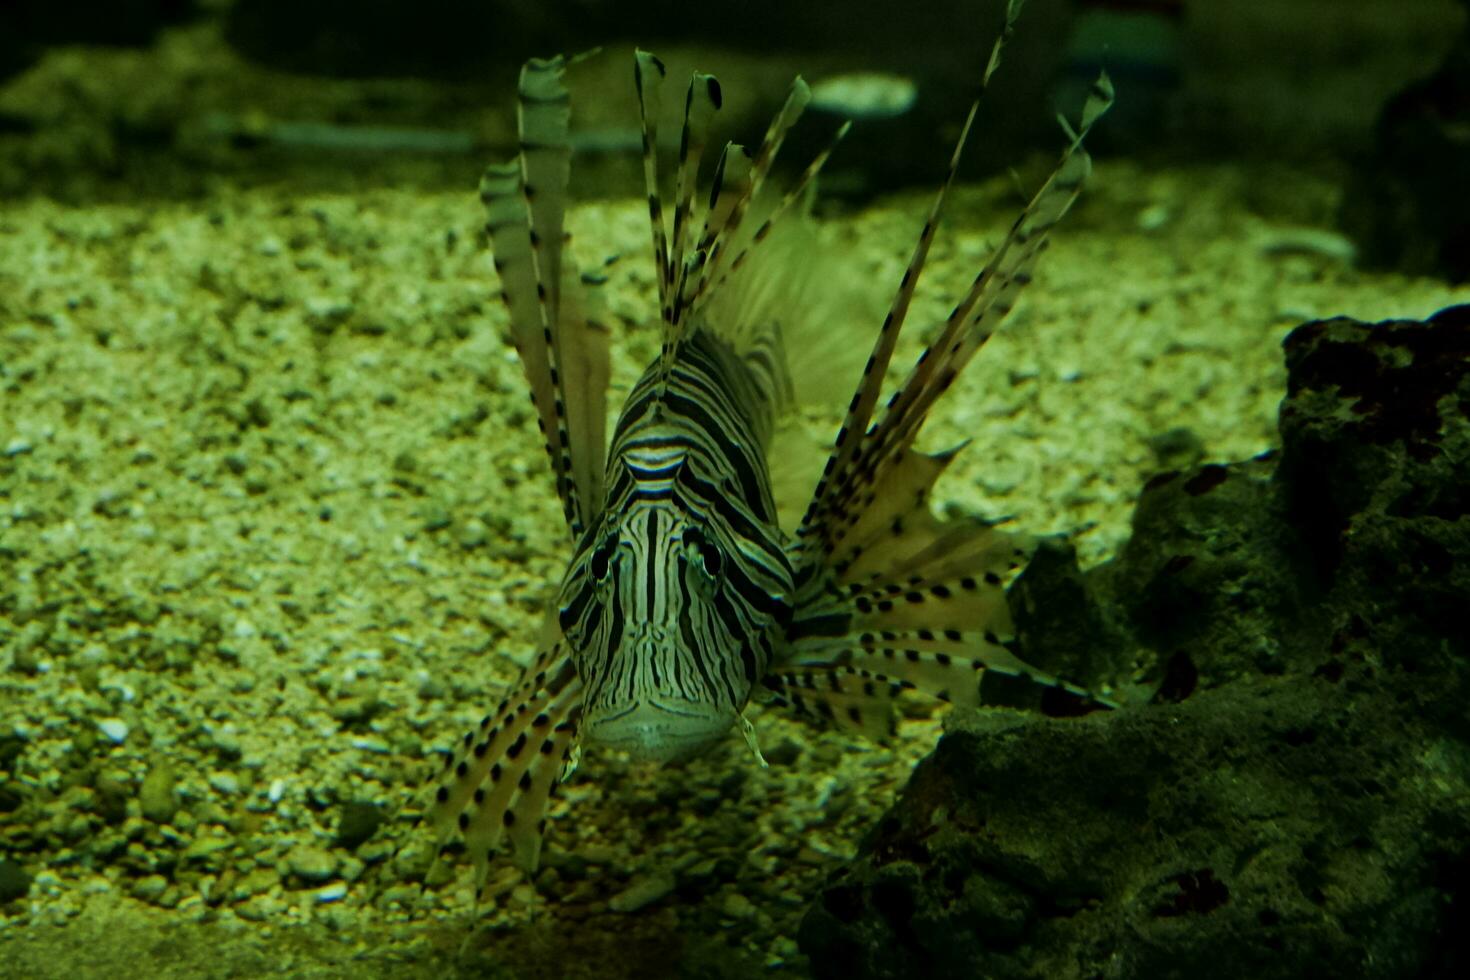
686,598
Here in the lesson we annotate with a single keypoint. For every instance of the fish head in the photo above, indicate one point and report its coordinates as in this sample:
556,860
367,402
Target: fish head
670,628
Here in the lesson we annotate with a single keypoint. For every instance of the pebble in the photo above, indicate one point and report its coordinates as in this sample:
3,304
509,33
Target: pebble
311,863
226,741
374,745
115,730
14,882
737,906
151,888
224,782
334,892
255,882
376,851
205,847
260,908
359,821
642,891
473,534
430,686
26,660
156,794
1154,217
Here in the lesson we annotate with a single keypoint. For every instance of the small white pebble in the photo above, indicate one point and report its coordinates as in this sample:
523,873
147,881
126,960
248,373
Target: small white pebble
334,892
1317,242
373,745
115,729
865,95
1153,217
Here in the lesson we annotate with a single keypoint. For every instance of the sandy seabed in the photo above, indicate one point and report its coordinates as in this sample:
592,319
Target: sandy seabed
275,525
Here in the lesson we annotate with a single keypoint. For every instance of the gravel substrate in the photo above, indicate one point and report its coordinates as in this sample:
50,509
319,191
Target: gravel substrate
275,526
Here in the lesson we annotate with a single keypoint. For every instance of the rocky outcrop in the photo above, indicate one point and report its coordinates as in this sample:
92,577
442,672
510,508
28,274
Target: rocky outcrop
1291,801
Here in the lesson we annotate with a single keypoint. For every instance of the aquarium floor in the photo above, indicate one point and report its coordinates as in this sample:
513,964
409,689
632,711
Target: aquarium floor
275,525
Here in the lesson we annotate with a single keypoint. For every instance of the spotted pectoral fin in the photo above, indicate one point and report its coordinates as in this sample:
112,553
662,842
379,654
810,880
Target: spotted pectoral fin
502,773
946,664
851,700
893,537
916,600
525,819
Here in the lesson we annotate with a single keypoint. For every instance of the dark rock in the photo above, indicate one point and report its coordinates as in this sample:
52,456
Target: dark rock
14,882
1208,574
1249,831
1290,802
11,748
1406,205
784,752
1084,646
357,824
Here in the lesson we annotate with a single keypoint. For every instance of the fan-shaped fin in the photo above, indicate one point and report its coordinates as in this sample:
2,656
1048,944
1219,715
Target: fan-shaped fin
562,345
485,773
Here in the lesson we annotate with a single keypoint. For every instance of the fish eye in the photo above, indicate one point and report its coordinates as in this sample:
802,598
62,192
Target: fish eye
602,558
709,555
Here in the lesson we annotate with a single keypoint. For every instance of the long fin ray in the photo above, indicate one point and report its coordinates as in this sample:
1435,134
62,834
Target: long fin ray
865,398
724,237
563,352
991,296
700,104
796,193
479,779
581,360
848,447
850,699
537,785
648,76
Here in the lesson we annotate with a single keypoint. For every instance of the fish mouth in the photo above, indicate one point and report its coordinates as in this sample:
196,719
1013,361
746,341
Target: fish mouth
658,729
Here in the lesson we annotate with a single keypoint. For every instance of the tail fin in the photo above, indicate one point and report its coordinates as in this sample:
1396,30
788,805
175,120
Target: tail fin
562,348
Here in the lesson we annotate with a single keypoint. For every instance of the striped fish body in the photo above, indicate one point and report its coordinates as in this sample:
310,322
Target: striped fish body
676,602
690,593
